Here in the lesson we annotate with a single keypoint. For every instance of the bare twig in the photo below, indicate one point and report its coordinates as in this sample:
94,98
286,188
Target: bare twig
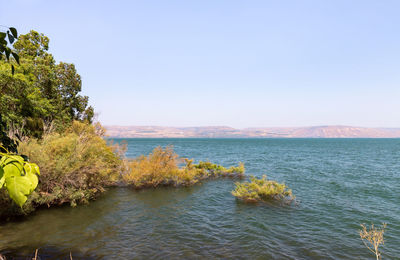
373,238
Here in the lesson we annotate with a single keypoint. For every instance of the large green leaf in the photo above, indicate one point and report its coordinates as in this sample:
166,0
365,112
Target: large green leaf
19,177
19,187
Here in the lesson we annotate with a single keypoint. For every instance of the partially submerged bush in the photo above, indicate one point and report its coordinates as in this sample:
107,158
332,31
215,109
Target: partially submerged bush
215,170
75,166
162,168
258,190
158,168
372,238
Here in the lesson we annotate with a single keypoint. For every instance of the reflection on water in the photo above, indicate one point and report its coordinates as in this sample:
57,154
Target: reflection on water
340,184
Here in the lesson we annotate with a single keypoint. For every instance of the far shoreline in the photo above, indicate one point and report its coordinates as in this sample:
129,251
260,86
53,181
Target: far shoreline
272,132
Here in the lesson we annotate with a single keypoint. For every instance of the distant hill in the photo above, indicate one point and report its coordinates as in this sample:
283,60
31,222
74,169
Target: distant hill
269,132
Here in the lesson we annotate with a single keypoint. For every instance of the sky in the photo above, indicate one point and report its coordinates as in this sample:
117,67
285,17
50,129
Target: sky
225,62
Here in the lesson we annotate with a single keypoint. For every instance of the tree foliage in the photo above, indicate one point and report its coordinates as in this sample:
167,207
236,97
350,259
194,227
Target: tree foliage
41,91
37,93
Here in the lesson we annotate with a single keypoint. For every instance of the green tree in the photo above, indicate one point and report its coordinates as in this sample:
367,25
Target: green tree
41,91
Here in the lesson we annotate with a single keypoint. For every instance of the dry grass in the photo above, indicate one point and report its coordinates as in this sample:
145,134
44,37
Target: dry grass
373,238
162,168
257,190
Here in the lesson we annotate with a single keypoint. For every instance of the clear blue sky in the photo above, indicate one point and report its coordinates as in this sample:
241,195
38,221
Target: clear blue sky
235,63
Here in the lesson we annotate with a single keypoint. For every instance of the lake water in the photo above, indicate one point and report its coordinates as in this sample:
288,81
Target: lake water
339,184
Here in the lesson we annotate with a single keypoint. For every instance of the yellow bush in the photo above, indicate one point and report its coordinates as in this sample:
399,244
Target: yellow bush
155,169
161,168
75,166
257,190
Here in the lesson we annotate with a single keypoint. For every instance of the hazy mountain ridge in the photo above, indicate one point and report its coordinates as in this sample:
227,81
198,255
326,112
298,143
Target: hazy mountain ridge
229,132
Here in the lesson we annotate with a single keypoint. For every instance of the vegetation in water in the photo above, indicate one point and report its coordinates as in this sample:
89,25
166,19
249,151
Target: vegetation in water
258,190
41,106
75,166
163,167
372,238
216,170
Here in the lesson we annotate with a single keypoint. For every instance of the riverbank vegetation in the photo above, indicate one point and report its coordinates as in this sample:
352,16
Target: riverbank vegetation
262,190
163,167
76,166
44,117
45,120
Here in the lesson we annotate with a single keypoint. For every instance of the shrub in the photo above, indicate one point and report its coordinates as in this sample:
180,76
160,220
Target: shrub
257,190
75,166
158,168
162,168
215,170
374,237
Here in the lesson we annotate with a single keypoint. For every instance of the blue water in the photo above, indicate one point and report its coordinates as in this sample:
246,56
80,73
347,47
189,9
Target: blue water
339,184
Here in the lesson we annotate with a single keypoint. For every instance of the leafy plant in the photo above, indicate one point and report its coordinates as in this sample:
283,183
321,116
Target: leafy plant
163,167
76,165
42,92
257,190
18,176
216,170
373,238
